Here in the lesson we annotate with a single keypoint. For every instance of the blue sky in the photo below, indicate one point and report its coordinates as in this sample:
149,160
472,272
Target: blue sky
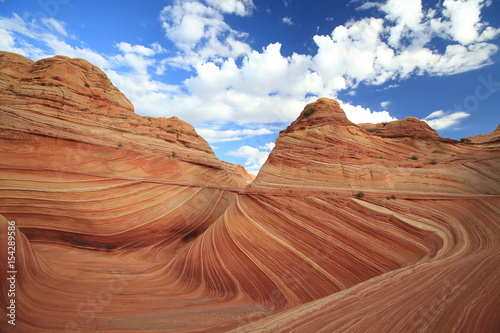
241,70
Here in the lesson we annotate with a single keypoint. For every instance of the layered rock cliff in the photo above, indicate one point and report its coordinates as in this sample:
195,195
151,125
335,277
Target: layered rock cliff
430,210
128,223
78,165
323,150
350,217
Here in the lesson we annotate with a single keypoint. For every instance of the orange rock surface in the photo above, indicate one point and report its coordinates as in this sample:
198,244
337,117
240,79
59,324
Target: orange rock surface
128,223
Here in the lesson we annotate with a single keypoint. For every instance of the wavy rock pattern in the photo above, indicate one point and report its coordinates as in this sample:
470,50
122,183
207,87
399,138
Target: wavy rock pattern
84,176
456,291
128,223
79,159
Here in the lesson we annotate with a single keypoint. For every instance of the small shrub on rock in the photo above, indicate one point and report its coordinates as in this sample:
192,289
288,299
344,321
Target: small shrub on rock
309,111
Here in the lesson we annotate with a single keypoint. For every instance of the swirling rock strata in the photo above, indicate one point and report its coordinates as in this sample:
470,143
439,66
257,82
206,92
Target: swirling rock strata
128,223
456,291
75,155
340,214
443,192
95,188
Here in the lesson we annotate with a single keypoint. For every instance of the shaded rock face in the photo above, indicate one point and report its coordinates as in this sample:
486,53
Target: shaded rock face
128,223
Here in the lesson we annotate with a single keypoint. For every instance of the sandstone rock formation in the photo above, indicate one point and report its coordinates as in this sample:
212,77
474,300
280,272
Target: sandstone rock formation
69,138
317,152
128,223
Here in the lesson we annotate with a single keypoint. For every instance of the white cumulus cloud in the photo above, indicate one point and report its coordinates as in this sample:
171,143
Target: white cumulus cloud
358,114
440,120
200,31
238,7
139,49
213,135
255,157
465,24
287,20
385,104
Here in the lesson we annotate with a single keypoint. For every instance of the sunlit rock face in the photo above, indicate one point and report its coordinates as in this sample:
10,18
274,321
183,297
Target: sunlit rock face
127,223
79,165
323,150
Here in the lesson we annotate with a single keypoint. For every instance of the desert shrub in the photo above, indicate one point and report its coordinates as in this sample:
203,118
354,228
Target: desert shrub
87,85
415,158
174,155
119,145
360,195
309,111
385,123
434,162
464,140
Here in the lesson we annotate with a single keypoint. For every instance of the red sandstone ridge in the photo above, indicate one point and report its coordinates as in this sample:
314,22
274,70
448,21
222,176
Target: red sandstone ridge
123,226
321,153
302,231
324,111
70,99
410,127
72,144
408,179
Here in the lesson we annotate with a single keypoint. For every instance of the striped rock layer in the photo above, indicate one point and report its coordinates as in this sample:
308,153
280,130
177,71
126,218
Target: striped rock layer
128,223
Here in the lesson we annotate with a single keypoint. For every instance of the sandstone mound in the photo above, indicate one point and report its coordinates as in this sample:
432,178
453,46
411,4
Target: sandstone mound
321,153
128,223
79,166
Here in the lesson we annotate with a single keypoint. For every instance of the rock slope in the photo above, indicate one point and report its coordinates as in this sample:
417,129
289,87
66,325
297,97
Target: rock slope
75,156
129,223
325,151
347,217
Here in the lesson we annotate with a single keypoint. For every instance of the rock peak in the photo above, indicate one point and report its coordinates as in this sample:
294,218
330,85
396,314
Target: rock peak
74,102
323,111
408,127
